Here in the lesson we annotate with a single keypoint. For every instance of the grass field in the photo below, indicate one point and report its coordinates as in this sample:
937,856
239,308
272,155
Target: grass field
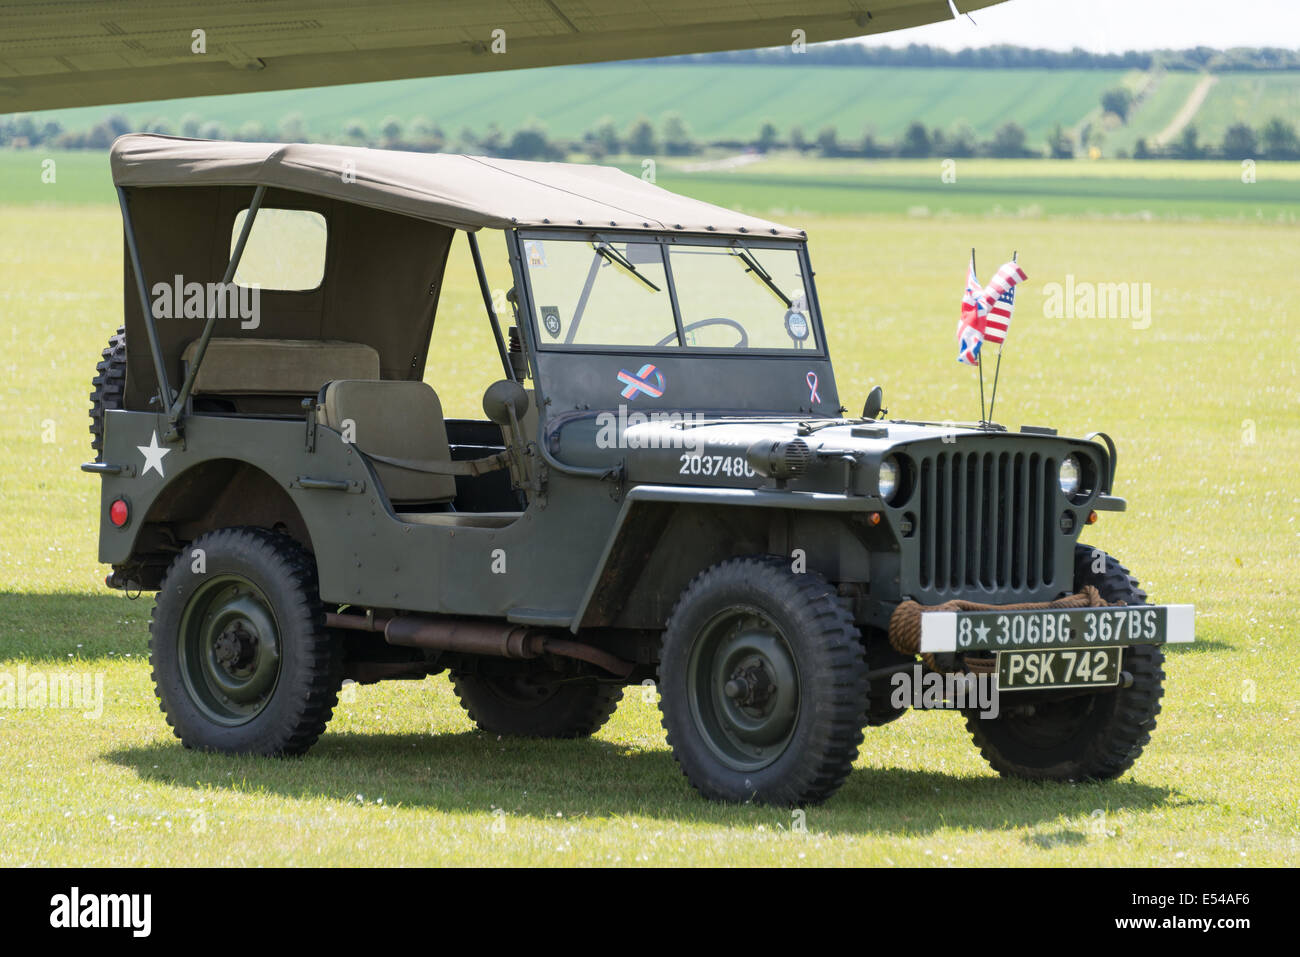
1204,403
788,186
1017,189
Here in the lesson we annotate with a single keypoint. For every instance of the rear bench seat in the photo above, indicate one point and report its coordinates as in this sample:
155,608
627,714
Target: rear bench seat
279,367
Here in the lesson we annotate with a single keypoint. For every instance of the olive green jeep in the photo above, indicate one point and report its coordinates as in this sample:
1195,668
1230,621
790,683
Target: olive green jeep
664,487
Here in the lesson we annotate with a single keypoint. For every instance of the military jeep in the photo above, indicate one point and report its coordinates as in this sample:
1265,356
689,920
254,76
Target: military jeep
664,489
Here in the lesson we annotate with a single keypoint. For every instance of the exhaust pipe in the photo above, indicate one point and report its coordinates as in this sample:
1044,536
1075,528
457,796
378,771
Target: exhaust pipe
476,636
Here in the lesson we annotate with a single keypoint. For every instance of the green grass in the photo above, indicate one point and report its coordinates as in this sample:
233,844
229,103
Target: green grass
1203,404
77,176
741,97
789,186
1021,189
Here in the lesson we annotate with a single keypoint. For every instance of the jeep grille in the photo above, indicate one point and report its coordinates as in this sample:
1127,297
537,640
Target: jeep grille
987,522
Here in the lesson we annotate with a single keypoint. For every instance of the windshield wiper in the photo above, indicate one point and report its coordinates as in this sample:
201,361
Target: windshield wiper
763,275
611,254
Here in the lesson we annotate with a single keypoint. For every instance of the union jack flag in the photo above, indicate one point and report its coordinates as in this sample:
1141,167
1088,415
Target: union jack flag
970,327
986,313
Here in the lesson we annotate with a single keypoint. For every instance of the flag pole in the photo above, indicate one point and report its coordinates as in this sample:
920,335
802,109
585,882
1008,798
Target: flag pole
994,397
979,362
998,368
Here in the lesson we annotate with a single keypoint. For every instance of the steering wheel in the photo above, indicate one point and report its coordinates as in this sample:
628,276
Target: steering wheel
701,323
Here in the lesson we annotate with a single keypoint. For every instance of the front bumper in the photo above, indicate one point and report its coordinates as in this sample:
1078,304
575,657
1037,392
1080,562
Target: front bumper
988,631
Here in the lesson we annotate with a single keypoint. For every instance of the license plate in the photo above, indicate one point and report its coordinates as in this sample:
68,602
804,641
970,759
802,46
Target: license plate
1055,629
1067,668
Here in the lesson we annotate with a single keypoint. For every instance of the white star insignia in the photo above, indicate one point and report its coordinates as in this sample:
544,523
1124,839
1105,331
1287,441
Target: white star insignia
153,456
982,630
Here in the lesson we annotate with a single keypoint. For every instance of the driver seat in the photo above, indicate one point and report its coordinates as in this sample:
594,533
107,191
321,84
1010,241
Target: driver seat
402,421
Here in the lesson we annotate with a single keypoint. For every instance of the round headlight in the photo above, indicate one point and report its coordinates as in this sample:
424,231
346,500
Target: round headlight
1069,476
888,483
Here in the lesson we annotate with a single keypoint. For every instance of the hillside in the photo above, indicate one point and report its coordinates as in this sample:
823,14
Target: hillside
720,101
740,98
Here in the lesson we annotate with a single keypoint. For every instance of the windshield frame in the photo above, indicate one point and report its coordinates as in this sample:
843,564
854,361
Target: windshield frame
754,245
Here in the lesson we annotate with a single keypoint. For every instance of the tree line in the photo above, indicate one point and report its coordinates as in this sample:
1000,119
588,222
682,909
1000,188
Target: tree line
1007,57
1275,139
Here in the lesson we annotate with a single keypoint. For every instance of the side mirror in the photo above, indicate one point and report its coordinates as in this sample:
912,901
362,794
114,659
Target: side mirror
871,408
505,402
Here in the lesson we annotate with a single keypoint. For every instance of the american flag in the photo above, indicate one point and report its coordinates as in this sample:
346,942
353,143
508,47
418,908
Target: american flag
1000,298
999,318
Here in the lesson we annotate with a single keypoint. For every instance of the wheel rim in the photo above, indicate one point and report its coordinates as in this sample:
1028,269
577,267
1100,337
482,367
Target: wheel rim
744,689
229,650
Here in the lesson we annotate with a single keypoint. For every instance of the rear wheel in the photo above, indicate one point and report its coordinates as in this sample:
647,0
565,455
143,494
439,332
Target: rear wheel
1086,736
242,660
528,705
763,684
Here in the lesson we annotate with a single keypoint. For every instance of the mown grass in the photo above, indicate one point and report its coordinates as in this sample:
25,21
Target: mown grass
1003,189
785,185
1203,403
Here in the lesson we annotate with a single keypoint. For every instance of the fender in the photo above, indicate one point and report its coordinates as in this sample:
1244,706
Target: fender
139,468
639,500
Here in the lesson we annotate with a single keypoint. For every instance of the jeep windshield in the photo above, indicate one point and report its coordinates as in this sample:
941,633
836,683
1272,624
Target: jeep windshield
669,293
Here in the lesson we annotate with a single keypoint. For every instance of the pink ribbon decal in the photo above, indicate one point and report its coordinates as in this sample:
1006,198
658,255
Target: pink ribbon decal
811,379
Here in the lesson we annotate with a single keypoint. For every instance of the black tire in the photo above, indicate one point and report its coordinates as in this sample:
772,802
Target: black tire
260,588
106,388
1094,736
526,706
763,684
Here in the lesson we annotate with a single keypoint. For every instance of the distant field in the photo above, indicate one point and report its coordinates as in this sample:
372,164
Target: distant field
733,101
1165,97
792,187
1248,98
739,100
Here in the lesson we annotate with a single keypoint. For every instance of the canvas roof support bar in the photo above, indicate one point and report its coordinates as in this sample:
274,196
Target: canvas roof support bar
487,304
174,405
164,396
236,254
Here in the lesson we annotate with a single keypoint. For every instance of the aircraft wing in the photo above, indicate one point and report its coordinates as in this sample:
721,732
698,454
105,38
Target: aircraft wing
82,54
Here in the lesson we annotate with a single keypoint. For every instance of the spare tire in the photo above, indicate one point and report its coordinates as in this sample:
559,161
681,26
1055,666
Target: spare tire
107,388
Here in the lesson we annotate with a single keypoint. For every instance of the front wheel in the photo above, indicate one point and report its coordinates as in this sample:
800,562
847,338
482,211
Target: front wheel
242,660
1093,736
763,685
